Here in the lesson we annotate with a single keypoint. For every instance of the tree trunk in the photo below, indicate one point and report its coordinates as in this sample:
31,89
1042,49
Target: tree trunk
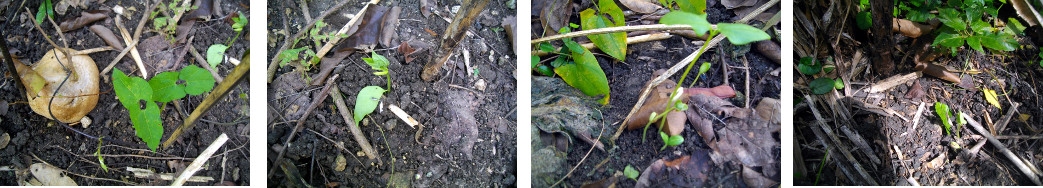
883,37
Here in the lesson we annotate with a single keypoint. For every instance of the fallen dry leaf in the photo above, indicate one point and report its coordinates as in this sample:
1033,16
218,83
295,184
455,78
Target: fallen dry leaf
687,171
641,6
84,19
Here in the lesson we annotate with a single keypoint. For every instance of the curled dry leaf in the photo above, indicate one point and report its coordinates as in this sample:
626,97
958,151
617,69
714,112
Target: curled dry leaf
555,15
938,71
910,28
769,49
915,92
641,6
84,19
406,51
203,11
387,31
106,35
658,101
78,95
368,32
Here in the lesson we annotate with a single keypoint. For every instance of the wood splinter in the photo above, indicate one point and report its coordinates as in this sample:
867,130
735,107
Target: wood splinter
453,35
409,121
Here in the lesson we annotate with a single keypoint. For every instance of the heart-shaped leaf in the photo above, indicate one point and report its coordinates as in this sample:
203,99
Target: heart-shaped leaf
148,125
165,87
613,44
130,90
821,85
215,54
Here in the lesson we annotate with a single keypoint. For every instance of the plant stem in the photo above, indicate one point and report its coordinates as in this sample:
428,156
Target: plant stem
653,27
683,76
233,39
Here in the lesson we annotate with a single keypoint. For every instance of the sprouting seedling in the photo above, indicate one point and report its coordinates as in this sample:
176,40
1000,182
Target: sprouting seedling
367,101
631,173
215,54
943,113
379,63
101,161
46,10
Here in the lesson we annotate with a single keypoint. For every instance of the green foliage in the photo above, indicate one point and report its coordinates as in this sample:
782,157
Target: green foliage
742,34
693,6
670,140
838,83
809,66
821,85
631,173
379,63
698,21
101,161
240,22
46,9
613,44
167,25
586,75
968,22
864,20
215,54
943,112
139,97
367,101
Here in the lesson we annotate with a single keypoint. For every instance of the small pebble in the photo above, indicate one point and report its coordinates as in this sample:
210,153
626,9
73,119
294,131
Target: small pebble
480,85
85,121
340,163
4,140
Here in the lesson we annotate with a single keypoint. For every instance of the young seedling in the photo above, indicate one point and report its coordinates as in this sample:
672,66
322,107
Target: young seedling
943,113
46,10
215,54
631,173
380,64
167,25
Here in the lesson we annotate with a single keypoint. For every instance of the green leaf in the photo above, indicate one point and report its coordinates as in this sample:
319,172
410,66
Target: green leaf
864,20
197,80
980,27
919,16
630,172
543,69
546,47
1016,26
158,23
664,136
975,43
165,88
704,67
943,112
681,106
999,42
291,54
741,34
377,62
215,54
585,75
40,13
130,90
838,83
675,140
240,22
949,40
613,44
535,61
148,125
951,17
367,101
697,21
808,66
821,85
573,46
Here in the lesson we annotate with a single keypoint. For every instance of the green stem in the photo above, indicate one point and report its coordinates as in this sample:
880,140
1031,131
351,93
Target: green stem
234,38
673,94
389,80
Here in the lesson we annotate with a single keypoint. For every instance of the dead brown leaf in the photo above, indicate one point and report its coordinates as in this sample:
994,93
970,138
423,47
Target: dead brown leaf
84,19
641,6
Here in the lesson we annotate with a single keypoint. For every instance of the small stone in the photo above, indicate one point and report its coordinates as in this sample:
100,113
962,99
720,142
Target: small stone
455,9
390,124
4,140
360,154
340,163
85,121
480,85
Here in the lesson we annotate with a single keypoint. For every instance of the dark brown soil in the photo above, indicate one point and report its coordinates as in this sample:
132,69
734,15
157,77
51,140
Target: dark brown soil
35,136
627,79
444,158
1012,73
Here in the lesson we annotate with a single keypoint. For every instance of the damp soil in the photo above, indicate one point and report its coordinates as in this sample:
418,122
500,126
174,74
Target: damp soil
35,139
469,134
628,78
918,149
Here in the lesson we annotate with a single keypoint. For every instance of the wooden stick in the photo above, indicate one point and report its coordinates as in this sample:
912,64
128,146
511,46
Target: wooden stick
216,95
134,41
273,66
199,161
680,65
1003,149
133,50
307,112
630,40
146,173
360,138
452,37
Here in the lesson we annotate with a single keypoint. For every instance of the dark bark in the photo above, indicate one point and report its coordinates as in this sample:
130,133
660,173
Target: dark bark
883,41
